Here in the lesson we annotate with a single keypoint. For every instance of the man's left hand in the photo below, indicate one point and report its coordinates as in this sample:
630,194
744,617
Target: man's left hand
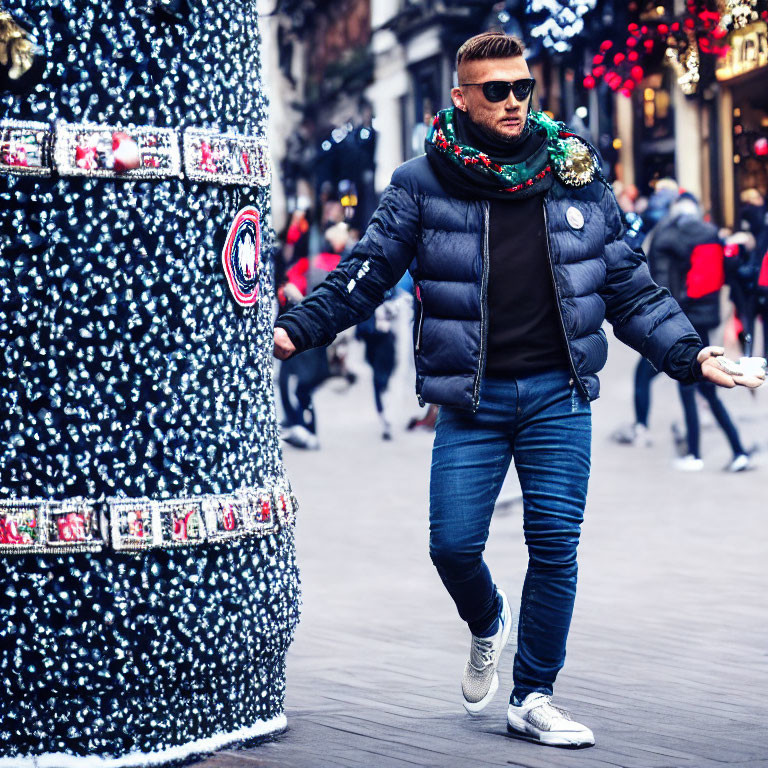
712,371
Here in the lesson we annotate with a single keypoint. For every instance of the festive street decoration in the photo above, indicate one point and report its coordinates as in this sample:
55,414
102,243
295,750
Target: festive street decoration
149,583
737,14
17,51
686,43
556,22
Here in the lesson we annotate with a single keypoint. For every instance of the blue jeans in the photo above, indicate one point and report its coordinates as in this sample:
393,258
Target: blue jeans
545,424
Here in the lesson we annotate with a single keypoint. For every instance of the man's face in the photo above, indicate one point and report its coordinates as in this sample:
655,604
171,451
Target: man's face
505,119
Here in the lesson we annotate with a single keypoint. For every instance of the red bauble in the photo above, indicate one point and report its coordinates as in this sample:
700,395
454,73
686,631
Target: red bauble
761,147
633,56
631,42
606,45
637,72
598,59
618,58
663,29
589,82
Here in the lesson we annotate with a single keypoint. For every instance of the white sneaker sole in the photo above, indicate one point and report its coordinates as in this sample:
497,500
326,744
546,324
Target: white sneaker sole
475,708
563,739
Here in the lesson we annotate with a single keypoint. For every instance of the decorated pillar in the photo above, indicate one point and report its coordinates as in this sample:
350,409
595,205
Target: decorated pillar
148,587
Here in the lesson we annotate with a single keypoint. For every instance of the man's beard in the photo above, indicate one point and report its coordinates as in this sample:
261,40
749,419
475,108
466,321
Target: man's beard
496,134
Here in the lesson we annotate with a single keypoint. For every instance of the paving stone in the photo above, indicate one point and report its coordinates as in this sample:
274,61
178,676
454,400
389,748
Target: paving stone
666,659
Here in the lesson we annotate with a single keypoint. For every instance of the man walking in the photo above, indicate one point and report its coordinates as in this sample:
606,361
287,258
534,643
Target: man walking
514,243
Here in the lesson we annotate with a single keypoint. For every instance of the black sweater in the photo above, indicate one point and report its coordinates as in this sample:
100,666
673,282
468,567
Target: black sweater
525,334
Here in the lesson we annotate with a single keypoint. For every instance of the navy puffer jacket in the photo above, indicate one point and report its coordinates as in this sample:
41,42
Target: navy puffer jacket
443,240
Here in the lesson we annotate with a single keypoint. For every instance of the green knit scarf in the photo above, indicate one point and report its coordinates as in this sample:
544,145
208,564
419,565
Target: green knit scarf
571,159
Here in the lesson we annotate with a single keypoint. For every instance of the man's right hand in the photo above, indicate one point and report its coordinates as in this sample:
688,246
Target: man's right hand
722,374
284,347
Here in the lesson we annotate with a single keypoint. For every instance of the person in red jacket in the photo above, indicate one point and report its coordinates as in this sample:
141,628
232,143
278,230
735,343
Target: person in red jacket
301,376
686,256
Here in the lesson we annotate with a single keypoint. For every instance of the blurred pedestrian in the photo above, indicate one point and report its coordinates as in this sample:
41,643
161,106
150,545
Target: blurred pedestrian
657,208
741,278
665,192
633,221
338,242
687,257
753,215
378,335
299,377
425,420
760,272
752,242
515,242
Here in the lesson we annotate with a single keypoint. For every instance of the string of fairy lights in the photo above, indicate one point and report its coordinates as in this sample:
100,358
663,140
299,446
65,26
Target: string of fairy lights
556,22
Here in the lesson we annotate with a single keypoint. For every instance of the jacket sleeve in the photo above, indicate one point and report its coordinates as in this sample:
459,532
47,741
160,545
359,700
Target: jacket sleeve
351,293
643,315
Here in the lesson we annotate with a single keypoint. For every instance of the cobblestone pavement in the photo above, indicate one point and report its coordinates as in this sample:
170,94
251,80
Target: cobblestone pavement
667,658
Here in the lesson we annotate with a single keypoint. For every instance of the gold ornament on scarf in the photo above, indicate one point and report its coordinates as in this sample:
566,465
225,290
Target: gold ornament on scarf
17,52
574,164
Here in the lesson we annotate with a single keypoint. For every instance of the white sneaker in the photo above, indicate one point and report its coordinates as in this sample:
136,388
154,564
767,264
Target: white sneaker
481,680
300,437
633,434
537,720
739,464
689,463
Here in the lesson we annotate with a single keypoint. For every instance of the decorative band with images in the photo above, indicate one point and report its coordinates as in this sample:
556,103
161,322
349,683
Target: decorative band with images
96,151
87,525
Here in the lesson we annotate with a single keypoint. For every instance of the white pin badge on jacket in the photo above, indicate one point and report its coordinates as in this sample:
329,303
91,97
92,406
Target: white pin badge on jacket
575,218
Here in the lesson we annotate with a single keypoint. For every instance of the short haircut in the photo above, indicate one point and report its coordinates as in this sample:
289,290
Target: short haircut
489,45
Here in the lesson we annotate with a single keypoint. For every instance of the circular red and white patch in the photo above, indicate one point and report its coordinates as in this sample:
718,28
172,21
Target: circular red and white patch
240,257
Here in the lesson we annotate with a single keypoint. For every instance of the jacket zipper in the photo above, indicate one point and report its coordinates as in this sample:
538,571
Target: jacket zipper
421,319
483,307
558,301
418,336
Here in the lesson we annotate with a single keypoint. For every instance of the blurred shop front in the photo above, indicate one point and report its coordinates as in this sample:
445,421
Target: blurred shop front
322,130
743,78
690,96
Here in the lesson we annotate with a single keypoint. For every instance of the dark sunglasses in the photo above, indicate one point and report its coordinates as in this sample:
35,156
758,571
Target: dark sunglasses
498,90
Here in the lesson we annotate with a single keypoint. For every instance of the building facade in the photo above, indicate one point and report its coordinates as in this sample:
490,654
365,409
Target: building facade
646,81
